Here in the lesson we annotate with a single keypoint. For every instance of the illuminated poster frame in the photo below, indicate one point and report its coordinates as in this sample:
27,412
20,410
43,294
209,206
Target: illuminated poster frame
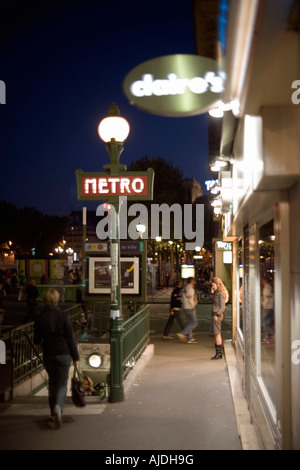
187,270
100,279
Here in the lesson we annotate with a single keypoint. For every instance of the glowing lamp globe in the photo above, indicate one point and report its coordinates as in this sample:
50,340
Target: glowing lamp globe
113,127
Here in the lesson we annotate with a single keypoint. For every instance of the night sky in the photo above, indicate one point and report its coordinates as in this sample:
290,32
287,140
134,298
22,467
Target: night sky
63,64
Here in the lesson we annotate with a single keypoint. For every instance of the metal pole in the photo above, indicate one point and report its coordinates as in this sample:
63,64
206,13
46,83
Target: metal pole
83,252
116,325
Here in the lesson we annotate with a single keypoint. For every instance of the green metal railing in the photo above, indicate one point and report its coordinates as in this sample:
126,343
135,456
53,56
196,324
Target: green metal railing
25,359
135,338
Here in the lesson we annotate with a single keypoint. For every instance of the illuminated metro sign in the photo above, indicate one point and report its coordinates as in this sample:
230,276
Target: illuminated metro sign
95,186
175,85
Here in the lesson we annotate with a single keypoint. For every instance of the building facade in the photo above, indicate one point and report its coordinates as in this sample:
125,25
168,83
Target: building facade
260,203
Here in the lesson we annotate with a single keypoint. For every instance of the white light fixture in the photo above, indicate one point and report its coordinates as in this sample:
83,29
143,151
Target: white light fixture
113,127
218,111
95,360
221,163
215,168
215,189
216,203
141,228
218,163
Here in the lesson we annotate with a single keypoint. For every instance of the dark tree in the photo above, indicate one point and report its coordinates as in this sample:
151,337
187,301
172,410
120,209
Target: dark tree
28,228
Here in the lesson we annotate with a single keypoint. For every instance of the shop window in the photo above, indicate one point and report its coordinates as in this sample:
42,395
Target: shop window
267,330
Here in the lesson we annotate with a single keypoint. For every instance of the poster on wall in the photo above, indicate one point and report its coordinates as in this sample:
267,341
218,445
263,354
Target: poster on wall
100,275
57,268
37,267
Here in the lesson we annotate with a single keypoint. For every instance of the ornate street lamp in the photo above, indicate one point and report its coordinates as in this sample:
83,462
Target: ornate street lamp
114,131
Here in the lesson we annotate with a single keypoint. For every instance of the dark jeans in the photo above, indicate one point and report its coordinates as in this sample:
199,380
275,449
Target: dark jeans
192,322
268,321
57,368
177,315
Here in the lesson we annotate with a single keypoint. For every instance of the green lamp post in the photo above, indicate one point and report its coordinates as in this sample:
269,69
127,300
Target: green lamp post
114,131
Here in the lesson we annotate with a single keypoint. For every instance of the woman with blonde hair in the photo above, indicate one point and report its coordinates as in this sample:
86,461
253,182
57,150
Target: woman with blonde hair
87,385
220,297
54,330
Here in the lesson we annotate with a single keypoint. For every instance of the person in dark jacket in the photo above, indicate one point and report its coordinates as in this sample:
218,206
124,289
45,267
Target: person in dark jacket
175,310
220,297
32,294
54,330
2,307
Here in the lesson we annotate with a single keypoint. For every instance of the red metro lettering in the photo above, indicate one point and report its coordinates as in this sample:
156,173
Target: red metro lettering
114,185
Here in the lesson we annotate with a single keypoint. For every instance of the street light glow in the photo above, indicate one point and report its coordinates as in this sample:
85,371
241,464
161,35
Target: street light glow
113,127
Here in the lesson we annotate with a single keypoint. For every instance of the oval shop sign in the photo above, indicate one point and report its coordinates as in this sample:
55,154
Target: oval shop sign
175,85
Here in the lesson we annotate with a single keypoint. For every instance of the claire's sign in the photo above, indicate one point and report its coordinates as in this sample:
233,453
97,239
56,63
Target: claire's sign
175,85
95,186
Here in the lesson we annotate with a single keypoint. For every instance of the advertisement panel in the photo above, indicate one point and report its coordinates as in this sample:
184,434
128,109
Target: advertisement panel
37,267
100,275
57,268
176,85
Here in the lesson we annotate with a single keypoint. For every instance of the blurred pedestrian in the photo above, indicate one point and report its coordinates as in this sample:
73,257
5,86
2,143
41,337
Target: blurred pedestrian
175,310
15,283
2,308
54,330
87,386
22,278
189,306
267,303
220,297
32,294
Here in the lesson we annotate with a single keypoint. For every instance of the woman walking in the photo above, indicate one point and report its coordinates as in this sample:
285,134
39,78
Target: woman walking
220,297
54,330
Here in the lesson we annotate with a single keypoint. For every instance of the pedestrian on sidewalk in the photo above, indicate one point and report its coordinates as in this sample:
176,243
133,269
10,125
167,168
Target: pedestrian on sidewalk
175,310
2,307
22,286
32,294
189,306
54,330
220,297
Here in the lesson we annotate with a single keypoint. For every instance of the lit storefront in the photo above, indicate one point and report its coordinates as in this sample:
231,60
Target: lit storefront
260,208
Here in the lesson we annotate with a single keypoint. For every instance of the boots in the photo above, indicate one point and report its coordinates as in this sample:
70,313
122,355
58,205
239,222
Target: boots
219,353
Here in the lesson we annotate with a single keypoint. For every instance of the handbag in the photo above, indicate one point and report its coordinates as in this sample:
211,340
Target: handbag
78,397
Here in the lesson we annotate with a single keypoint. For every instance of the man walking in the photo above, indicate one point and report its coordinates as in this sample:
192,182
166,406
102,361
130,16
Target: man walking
32,294
189,304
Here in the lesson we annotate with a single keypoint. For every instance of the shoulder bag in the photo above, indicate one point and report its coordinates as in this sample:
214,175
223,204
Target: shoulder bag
78,397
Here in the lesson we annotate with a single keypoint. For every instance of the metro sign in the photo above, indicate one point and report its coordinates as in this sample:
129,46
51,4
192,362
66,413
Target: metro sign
95,186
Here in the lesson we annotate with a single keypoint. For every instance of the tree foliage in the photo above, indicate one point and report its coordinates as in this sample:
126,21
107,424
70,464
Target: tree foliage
168,180
28,228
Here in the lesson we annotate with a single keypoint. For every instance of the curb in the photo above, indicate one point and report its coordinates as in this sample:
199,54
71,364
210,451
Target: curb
138,368
246,429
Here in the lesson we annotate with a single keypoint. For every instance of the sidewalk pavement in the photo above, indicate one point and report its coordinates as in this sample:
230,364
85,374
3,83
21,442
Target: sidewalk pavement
177,399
